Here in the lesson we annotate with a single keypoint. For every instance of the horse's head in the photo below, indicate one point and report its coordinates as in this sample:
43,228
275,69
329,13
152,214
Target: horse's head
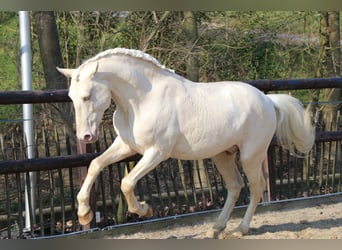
91,97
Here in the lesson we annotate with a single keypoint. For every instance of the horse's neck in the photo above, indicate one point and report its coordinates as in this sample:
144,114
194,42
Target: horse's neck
132,79
129,81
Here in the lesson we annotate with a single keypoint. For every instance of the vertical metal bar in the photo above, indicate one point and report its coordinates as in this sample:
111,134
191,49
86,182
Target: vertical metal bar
52,203
288,163
199,181
183,180
281,172
174,184
321,166
192,183
29,206
328,172
272,173
26,74
40,204
309,171
62,197
213,169
8,207
87,148
72,197
265,169
103,195
165,178
295,176
20,207
71,186
156,179
338,153
111,177
102,187
112,192
334,164
121,218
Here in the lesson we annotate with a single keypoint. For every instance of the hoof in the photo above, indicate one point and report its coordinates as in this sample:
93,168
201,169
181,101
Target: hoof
86,219
148,208
236,235
149,212
212,233
230,235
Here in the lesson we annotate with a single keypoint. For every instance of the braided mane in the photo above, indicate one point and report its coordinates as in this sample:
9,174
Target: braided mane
129,52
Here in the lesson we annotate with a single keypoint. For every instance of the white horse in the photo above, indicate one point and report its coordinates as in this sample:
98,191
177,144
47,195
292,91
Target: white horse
160,114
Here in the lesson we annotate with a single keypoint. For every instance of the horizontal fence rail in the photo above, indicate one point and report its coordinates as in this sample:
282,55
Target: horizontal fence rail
61,95
51,163
296,84
72,161
34,96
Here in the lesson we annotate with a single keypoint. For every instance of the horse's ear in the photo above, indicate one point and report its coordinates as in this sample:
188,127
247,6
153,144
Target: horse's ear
94,69
66,72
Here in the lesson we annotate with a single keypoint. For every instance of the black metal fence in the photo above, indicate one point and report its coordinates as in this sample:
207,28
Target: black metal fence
172,188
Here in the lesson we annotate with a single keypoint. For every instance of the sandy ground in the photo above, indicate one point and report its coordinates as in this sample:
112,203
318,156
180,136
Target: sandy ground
317,221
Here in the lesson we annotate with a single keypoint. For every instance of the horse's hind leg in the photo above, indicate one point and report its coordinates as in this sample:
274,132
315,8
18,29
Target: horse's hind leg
225,162
257,185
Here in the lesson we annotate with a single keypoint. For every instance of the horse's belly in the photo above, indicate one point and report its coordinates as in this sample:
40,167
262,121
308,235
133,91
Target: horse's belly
207,148
198,154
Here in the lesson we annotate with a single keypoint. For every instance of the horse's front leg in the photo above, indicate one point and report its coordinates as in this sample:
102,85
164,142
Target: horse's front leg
149,161
116,152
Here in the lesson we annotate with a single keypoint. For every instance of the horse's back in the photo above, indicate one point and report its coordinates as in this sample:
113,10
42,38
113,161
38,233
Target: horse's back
214,117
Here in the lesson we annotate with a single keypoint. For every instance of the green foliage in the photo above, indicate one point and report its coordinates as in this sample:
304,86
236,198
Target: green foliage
84,34
9,49
258,45
10,78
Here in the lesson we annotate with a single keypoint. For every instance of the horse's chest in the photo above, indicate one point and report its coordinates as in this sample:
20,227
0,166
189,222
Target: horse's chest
137,133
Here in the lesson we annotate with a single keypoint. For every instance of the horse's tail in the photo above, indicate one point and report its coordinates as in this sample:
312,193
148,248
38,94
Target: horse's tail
294,128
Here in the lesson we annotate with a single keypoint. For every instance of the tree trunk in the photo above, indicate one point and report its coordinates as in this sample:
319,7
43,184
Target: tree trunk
191,35
333,69
330,66
50,51
192,73
51,57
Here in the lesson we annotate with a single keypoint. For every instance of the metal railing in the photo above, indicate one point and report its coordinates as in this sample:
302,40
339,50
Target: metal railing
175,187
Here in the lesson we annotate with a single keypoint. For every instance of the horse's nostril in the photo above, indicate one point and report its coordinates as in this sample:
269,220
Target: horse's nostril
87,137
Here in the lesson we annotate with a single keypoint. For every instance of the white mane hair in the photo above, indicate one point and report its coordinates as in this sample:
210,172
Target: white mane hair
129,52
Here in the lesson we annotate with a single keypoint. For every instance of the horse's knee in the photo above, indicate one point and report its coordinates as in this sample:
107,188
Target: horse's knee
93,168
127,185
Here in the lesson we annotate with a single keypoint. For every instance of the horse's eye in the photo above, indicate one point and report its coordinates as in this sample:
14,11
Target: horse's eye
87,98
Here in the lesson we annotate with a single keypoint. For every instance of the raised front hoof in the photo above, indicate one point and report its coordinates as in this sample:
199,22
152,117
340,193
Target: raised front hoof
149,212
86,219
147,208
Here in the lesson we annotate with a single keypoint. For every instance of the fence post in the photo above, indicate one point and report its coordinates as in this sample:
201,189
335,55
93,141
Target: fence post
83,148
26,73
